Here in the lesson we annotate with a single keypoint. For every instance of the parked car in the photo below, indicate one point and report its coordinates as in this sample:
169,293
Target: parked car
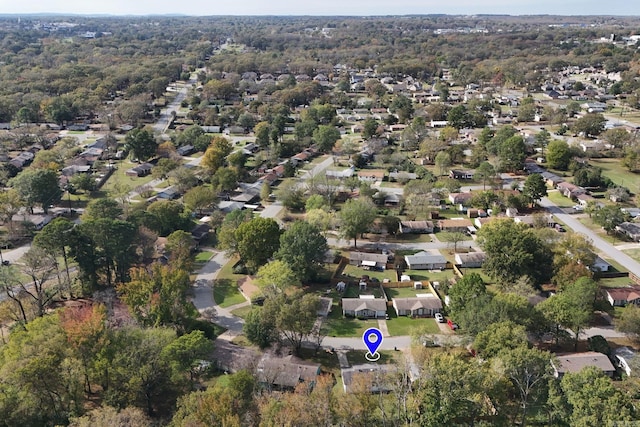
559,228
439,317
454,326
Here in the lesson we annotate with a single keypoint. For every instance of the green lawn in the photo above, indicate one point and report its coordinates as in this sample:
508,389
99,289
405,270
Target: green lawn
615,282
357,272
560,200
339,326
403,292
404,325
426,275
612,169
119,177
599,231
226,293
479,271
203,256
242,312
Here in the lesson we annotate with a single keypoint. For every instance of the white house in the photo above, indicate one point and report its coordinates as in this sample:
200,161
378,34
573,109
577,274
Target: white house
626,359
364,308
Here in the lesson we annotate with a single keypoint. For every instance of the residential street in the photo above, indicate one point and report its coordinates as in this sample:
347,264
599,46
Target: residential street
601,245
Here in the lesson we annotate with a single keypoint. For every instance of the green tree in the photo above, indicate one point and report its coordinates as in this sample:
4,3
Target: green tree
37,186
55,238
591,124
471,286
356,217
534,188
291,195
257,241
167,216
294,316
259,328
103,208
485,172
609,217
83,181
618,137
558,155
227,233
303,248
185,352
261,131
526,113
325,137
499,337
458,117
402,107
594,400
199,198
370,128
443,162
276,277
179,245
513,250
629,321
141,144
512,153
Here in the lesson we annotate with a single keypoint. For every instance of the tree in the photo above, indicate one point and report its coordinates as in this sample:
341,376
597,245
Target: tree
275,277
356,216
591,124
618,137
83,181
294,317
529,371
158,297
179,245
103,208
558,155
261,131
443,162
526,113
542,140
141,144
37,186
185,352
629,321
39,266
325,137
512,153
199,198
257,240
55,238
609,217
454,238
594,400
291,195
108,416
470,287
500,337
10,204
216,154
513,250
534,188
227,233
183,178
485,171
167,216
315,201
303,248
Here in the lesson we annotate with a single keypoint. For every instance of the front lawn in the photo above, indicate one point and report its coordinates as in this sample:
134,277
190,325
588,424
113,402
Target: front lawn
613,169
339,326
242,312
226,293
559,199
633,253
404,325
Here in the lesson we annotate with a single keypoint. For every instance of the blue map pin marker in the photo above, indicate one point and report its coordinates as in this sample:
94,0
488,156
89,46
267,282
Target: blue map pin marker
372,338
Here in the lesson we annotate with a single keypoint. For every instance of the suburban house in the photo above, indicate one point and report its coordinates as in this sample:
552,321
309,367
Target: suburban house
375,375
629,229
423,305
369,260
454,225
200,231
169,193
575,362
570,190
425,261
418,227
345,173
620,297
460,198
402,176
600,265
39,220
285,373
626,359
74,169
470,260
140,170
186,150
371,175
461,174
584,199
364,308
551,179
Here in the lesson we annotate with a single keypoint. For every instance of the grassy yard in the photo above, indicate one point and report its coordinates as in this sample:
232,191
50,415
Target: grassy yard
599,231
353,291
225,289
479,271
119,177
612,169
560,200
436,276
633,253
403,292
242,312
356,272
404,325
616,282
339,326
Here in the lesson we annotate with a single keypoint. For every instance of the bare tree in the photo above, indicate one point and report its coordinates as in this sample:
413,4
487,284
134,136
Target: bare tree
40,267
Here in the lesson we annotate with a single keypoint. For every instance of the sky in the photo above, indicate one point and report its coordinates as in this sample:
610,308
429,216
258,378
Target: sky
324,7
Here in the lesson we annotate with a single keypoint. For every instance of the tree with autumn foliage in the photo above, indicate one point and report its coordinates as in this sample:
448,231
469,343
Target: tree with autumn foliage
158,297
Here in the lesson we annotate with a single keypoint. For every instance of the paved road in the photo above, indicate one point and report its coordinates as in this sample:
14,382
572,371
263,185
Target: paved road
14,255
601,245
165,115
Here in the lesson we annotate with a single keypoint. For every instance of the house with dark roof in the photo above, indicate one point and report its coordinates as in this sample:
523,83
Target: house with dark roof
470,260
140,170
417,227
364,308
575,362
629,229
369,260
285,373
461,174
454,225
423,305
374,376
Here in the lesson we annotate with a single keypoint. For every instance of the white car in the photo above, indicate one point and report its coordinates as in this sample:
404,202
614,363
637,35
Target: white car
578,208
439,317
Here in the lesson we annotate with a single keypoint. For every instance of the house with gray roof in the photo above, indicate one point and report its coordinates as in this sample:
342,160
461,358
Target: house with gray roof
426,261
285,373
423,305
364,308
575,362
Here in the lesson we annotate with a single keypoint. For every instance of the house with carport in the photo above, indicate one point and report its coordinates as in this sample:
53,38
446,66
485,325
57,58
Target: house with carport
365,307
368,260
